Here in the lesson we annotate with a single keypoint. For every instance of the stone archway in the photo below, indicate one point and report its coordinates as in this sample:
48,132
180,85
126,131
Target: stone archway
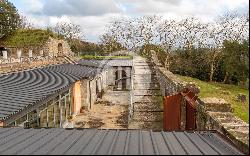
60,49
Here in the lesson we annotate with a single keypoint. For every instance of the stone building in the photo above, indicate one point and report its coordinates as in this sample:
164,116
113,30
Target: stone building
119,73
32,44
46,97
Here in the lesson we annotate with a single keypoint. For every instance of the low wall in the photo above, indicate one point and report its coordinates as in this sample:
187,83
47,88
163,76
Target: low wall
217,114
212,113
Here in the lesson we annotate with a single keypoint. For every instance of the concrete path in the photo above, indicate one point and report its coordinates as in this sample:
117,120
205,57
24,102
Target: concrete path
147,99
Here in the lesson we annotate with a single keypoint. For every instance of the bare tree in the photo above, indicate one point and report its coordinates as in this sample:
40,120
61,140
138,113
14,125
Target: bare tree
25,23
68,30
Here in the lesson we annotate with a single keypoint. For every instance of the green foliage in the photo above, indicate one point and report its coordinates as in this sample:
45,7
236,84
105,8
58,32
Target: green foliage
84,48
9,18
236,60
26,38
145,52
190,63
212,89
232,64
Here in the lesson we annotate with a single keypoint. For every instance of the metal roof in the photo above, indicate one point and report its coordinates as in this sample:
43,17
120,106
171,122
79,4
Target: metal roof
22,89
108,62
18,141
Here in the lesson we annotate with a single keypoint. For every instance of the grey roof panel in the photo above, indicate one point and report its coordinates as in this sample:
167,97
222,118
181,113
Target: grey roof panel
22,89
124,142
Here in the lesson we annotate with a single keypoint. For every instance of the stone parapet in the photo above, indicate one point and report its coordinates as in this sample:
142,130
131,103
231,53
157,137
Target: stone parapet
216,114
212,113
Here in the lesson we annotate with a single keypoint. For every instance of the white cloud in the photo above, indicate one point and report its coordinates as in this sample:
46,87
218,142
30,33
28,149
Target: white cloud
32,6
93,15
79,7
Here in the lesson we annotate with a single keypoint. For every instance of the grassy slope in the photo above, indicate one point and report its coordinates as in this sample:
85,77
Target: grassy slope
211,89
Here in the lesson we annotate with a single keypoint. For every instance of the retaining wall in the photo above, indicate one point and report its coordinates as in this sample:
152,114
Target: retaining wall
212,113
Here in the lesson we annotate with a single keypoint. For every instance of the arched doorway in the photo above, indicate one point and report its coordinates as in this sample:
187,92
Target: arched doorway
60,49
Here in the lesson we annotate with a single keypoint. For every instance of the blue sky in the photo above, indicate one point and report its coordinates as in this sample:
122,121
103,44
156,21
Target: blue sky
93,15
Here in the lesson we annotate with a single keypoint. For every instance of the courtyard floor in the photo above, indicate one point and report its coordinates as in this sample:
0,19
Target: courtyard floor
110,112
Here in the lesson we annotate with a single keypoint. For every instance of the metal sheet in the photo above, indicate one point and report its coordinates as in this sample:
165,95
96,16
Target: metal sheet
56,141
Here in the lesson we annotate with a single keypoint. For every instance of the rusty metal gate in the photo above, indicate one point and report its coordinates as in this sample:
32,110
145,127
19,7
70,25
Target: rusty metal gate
172,110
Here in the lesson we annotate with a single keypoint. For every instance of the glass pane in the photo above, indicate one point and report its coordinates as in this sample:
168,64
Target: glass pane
42,107
57,98
68,105
21,120
32,118
11,124
63,109
49,103
51,116
43,118
57,114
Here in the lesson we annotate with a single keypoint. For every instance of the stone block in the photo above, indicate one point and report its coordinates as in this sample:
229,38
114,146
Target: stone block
148,116
216,105
147,106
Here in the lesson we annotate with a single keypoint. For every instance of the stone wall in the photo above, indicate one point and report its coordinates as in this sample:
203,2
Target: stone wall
51,47
217,114
212,113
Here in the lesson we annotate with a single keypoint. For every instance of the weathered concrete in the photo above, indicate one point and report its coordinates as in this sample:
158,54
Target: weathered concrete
147,99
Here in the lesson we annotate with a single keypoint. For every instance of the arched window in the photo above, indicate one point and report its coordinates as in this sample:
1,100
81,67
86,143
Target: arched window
60,49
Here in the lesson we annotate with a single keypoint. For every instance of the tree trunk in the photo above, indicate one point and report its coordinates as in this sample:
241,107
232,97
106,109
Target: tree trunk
211,72
226,77
213,66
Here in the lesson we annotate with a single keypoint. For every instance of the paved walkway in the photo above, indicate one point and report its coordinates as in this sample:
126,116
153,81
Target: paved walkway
147,99
111,112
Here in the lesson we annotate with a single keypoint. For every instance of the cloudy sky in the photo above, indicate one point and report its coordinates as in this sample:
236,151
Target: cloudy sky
93,15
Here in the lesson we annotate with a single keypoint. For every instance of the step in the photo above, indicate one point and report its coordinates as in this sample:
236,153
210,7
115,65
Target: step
144,98
216,105
142,71
147,87
145,79
147,92
147,106
148,116
145,125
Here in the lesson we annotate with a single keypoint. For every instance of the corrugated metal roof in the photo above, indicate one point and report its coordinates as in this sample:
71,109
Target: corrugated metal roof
108,142
108,62
19,90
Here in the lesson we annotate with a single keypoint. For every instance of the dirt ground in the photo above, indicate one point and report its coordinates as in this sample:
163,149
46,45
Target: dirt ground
107,113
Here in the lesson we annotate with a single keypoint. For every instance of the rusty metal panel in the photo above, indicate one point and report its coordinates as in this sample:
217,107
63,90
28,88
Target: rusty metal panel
190,117
172,112
190,98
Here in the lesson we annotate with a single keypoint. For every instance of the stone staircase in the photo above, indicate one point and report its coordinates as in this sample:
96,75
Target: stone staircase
147,105
219,116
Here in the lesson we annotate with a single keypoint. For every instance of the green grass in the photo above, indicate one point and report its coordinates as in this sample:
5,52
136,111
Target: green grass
105,57
212,89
